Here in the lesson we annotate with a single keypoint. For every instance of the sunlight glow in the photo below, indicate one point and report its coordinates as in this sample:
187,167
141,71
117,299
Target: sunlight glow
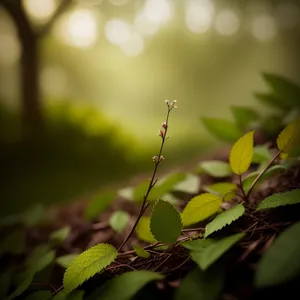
264,28
227,22
117,31
145,26
78,29
199,15
10,50
39,10
134,46
118,2
158,11
287,15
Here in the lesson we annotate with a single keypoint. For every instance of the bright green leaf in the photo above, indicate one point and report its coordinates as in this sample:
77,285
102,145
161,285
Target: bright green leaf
60,235
143,230
161,248
141,252
206,252
261,154
45,295
244,116
215,168
220,188
87,264
119,220
223,129
199,285
280,263
14,243
65,260
223,219
241,153
200,208
280,199
125,286
165,222
289,137
98,204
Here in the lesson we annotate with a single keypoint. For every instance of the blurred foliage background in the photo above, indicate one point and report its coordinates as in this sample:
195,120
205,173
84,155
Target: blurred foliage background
83,84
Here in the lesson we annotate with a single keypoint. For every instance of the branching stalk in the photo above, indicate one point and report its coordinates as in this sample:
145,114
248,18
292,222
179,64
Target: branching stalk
157,160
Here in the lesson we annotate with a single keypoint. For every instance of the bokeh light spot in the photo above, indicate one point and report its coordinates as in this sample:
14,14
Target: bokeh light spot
40,10
264,28
134,46
117,31
227,22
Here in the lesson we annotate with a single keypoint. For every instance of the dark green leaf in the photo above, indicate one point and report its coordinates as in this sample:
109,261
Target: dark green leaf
225,130
224,218
165,223
45,295
215,168
66,260
119,220
98,204
280,199
280,263
33,216
284,89
206,252
60,235
63,295
115,288
244,116
200,285
271,101
14,243
5,281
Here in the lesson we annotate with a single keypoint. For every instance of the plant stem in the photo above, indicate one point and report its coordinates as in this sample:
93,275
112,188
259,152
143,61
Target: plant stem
152,182
262,173
241,187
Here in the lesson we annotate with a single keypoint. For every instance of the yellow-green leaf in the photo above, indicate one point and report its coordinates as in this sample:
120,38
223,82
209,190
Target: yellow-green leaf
241,154
141,252
220,188
143,230
87,264
289,137
200,208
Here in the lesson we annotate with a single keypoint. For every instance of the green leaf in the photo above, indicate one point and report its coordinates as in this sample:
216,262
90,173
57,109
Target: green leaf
87,264
215,168
45,295
200,208
5,281
162,187
36,254
206,252
280,199
125,286
289,137
190,185
284,89
60,235
271,101
143,230
165,222
75,295
198,284
98,204
244,116
223,219
21,287
248,180
223,129
261,154
280,263
119,220
220,188
14,243
141,252
33,216
41,262
241,154
161,248
65,260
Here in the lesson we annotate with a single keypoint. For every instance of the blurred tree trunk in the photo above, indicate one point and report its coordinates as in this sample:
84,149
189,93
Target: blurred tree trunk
31,104
31,110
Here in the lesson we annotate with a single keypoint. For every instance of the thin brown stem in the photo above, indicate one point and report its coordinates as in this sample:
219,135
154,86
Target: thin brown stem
262,173
241,187
157,160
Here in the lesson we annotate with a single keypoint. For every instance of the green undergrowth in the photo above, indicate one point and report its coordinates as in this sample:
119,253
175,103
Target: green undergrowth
178,217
